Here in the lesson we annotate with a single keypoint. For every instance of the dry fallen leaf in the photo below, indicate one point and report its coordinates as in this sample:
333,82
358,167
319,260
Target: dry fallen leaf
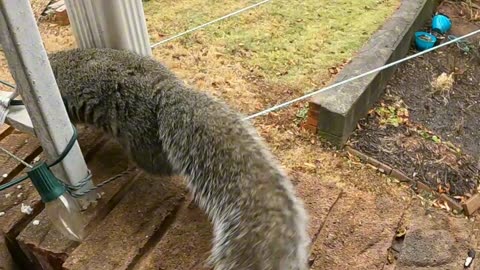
310,165
401,232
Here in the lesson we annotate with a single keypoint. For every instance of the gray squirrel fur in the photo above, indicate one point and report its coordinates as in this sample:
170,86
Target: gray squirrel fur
167,127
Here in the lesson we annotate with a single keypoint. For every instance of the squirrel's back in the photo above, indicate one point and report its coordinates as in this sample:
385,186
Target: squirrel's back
167,127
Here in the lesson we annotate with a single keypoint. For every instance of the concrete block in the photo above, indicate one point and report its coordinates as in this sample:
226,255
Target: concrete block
335,113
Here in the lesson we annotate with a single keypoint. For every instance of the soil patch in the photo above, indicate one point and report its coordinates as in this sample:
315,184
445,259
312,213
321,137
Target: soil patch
427,123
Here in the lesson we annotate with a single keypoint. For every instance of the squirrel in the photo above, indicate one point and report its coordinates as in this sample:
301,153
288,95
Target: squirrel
169,128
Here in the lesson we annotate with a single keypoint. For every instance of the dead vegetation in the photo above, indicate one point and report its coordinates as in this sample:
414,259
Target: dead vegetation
443,84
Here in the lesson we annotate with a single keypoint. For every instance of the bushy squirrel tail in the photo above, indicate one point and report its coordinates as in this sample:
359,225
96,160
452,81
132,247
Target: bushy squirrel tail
259,223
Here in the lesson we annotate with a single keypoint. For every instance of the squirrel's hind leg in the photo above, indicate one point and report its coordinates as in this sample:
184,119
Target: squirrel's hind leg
152,160
156,164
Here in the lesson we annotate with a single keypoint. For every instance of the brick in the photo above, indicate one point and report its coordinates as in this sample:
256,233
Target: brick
373,162
311,122
451,202
310,128
43,244
132,226
61,16
472,205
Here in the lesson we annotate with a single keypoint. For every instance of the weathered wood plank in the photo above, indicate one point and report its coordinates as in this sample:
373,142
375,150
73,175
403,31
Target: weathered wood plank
187,244
6,261
358,221
43,243
472,204
12,220
23,146
134,224
5,130
11,200
26,147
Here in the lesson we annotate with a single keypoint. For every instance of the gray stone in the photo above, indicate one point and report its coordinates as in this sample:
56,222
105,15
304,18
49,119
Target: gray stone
430,248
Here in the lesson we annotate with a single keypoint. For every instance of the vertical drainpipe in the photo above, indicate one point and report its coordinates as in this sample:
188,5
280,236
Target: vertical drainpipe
118,24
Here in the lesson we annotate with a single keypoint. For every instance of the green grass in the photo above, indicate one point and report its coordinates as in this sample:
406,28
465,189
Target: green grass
288,42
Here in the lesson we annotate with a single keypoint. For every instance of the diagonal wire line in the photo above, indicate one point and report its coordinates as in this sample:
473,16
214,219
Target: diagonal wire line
7,84
209,23
455,40
285,104
15,157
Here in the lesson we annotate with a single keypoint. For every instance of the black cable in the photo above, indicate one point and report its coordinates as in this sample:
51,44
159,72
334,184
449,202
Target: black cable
58,160
69,147
16,102
13,182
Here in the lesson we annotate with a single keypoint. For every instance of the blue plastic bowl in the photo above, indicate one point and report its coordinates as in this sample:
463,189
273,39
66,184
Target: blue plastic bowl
424,40
441,24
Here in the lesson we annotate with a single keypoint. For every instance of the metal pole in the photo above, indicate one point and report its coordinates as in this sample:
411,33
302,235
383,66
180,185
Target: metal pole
116,24
29,65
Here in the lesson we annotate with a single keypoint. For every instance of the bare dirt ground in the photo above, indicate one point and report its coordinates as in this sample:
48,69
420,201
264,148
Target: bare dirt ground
427,123
356,213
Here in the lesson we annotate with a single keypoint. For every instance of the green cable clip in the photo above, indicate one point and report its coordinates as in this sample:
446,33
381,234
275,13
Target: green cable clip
49,187
65,152
61,208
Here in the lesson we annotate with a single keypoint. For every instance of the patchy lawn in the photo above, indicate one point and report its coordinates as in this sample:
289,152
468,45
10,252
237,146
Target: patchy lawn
266,55
282,43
